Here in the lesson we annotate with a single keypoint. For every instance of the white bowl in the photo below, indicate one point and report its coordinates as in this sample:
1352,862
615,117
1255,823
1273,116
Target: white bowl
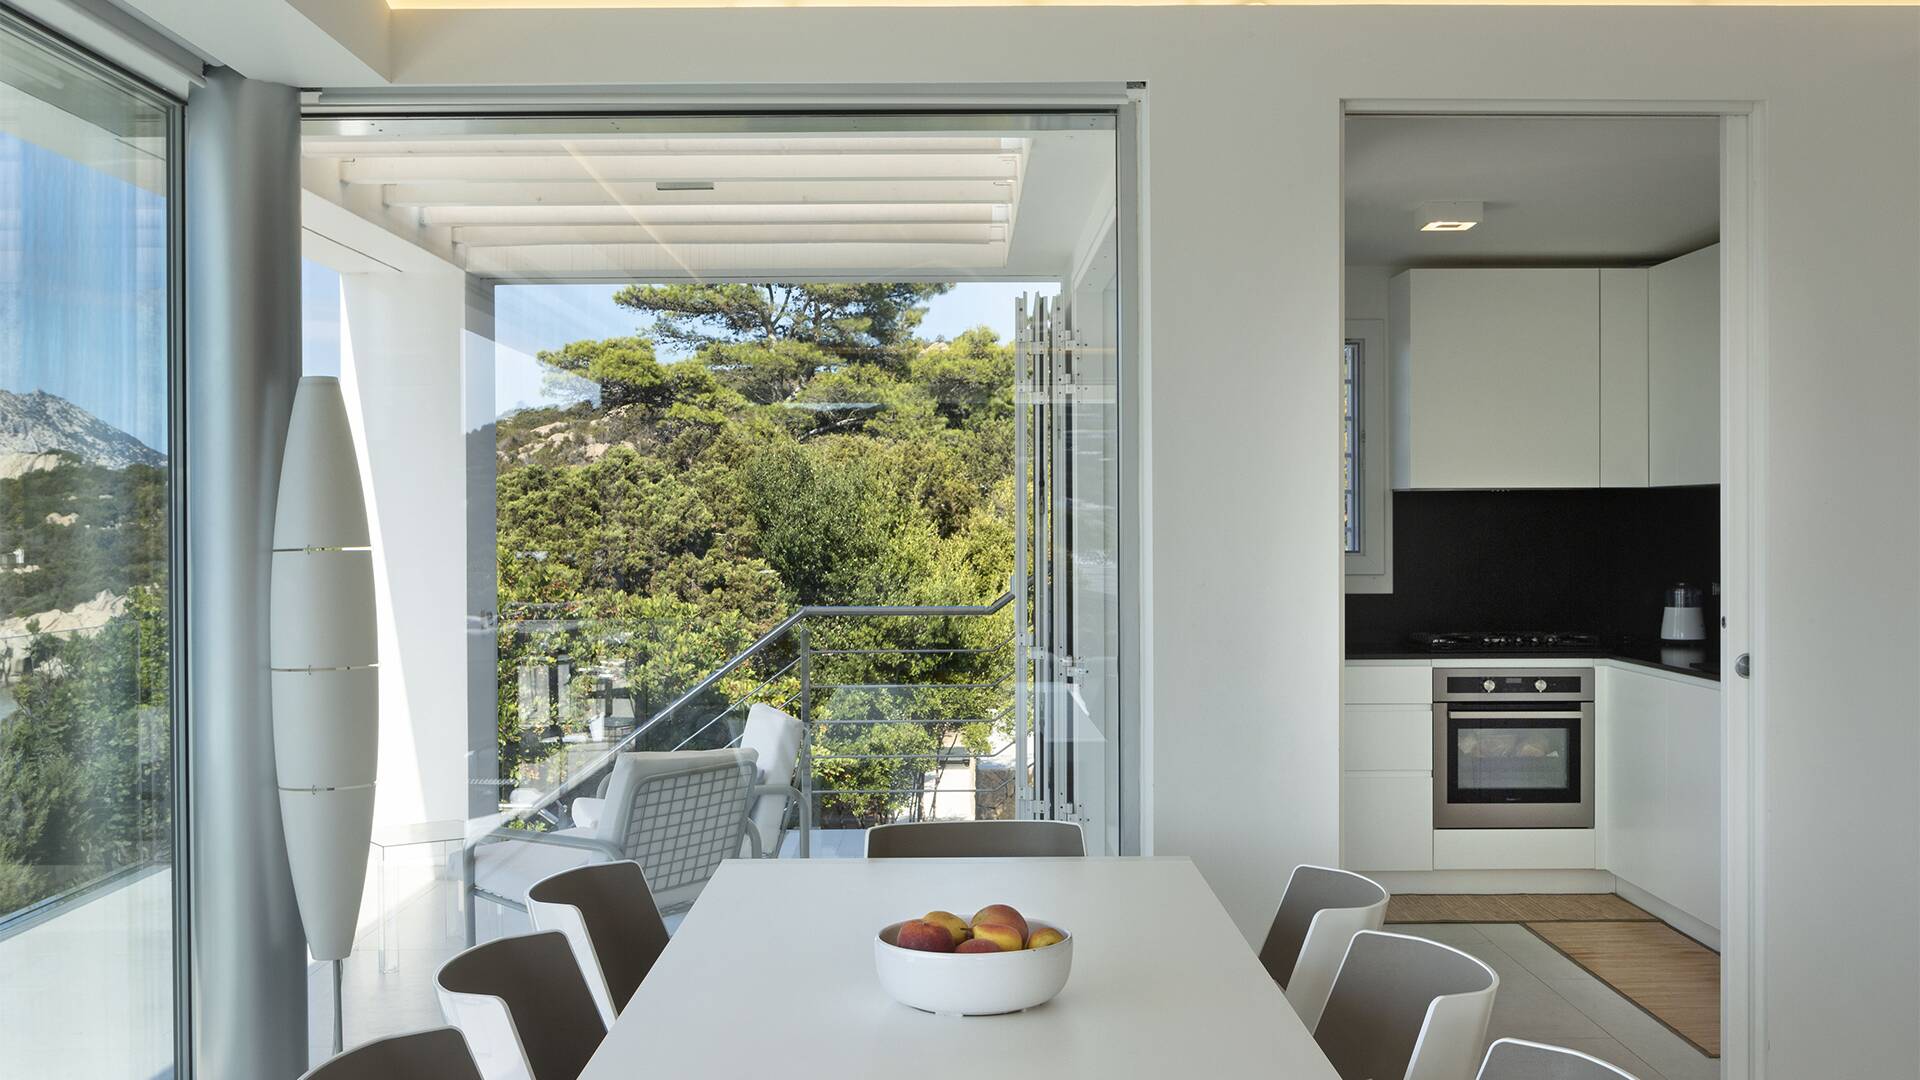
972,984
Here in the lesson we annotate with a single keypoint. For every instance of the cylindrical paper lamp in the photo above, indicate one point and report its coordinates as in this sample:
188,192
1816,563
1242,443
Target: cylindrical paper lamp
326,693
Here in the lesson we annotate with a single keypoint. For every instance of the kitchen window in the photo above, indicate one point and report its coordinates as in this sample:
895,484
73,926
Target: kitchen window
1366,505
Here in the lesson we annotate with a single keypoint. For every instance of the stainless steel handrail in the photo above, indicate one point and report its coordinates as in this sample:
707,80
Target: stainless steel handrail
779,630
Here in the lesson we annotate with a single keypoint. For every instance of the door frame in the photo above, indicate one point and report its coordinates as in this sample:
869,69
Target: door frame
1743,446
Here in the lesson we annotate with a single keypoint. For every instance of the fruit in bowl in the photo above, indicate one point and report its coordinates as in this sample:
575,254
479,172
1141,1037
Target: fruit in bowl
1000,962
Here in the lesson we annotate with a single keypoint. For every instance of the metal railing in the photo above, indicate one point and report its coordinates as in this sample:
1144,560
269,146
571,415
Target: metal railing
849,674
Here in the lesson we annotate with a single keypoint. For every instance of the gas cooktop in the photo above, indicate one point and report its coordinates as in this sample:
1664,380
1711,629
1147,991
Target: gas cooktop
1510,641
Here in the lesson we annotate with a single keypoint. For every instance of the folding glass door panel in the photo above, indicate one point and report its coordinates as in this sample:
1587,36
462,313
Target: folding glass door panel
88,205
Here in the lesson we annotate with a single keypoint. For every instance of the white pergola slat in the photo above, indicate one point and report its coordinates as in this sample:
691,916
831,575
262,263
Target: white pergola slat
619,206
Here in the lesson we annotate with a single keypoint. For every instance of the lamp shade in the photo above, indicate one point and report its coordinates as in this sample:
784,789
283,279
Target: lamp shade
323,651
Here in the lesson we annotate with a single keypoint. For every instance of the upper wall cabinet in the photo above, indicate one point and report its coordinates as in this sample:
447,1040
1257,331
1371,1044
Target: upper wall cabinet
1496,377
1683,370
1623,378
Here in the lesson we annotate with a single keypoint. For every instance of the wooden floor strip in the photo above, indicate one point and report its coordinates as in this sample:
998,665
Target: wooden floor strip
1517,908
1670,976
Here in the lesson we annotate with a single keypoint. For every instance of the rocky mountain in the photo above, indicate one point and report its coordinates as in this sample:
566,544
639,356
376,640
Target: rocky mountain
36,428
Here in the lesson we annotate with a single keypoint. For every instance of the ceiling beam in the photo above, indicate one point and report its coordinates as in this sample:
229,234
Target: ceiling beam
913,233
543,168
785,192
705,213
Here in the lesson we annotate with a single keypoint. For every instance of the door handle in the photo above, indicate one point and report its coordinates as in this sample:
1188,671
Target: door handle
1743,666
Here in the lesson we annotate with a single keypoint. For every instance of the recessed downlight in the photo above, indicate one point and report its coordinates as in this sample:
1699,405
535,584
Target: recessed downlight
1449,216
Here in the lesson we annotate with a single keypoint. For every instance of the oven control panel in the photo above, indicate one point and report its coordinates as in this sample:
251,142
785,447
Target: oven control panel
1512,684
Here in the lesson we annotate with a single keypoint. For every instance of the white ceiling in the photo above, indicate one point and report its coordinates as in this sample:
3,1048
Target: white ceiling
624,207
1558,190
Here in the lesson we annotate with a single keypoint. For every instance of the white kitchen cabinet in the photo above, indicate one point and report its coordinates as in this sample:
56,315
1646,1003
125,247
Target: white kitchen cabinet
1386,747
1387,738
1496,378
1660,792
1683,370
1514,849
1623,378
1386,821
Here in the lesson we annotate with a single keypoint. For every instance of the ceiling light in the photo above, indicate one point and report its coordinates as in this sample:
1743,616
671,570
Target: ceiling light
1449,216
683,185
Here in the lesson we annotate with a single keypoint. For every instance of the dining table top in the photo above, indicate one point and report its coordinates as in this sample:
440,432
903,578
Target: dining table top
771,975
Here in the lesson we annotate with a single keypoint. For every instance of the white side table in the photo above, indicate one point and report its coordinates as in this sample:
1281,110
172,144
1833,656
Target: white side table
434,835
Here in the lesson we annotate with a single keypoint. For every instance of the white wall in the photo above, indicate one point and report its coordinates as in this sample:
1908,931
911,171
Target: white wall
400,372
1243,309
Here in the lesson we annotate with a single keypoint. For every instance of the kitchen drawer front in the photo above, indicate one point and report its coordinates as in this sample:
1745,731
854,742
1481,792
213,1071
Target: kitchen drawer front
1514,849
1386,821
1387,738
1390,683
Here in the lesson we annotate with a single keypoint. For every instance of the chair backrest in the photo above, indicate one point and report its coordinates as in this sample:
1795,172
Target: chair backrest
975,840
1319,914
774,736
608,915
1405,1008
679,814
1517,1059
523,1006
439,1054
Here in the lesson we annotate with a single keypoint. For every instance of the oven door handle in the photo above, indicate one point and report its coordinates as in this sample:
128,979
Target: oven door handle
1515,714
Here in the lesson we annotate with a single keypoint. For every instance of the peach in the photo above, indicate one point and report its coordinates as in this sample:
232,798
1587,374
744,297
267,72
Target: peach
1044,937
923,936
955,924
1004,915
977,945
1008,938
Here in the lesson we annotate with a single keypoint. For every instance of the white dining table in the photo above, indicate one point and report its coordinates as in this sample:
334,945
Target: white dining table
771,976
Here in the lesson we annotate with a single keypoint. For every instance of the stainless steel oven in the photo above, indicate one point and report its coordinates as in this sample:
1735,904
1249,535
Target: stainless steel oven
1513,748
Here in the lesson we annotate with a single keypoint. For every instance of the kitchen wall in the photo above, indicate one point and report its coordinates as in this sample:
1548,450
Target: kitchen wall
1539,560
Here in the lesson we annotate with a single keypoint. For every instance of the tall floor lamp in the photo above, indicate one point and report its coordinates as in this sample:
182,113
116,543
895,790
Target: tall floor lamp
326,690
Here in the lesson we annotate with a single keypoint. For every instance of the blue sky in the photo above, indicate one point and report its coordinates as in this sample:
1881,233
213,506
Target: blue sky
83,289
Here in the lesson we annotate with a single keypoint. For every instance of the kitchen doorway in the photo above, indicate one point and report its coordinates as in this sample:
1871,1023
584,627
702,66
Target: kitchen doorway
1429,466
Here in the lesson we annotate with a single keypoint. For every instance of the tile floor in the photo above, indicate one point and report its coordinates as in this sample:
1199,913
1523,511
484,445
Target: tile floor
1546,997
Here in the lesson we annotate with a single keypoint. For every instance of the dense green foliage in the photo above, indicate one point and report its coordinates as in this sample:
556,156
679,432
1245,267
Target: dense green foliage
84,529
85,732
811,451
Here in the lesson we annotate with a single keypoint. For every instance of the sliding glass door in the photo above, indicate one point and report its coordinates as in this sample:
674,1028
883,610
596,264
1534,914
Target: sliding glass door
87,781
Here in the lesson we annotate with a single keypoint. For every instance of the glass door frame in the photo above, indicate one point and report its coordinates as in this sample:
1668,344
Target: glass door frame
173,108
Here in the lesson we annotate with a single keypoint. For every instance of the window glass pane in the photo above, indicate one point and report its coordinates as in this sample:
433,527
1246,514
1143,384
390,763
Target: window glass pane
1350,361
86,755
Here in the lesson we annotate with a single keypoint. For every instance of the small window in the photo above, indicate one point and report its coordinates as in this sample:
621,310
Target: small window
1366,504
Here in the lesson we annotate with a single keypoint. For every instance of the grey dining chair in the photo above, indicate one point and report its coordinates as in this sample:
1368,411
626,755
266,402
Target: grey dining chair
607,913
523,1006
1405,1008
1319,913
1518,1059
975,840
439,1054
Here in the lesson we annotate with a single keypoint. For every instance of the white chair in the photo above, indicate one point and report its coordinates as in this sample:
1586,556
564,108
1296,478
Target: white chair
523,1006
607,913
439,1054
679,815
775,737
976,840
1517,1059
1405,1008
1319,914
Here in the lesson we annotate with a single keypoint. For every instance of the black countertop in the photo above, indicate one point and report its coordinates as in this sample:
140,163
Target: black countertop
1698,661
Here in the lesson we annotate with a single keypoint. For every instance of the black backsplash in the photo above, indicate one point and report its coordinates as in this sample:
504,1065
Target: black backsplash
1594,560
